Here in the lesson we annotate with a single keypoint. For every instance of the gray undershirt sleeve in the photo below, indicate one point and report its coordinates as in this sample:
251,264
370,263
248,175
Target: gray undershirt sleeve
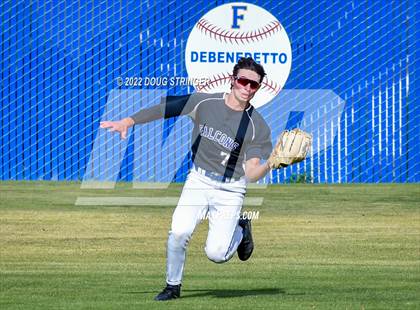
170,106
148,115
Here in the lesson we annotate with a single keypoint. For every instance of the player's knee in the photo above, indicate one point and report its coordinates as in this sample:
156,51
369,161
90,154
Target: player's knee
216,254
179,238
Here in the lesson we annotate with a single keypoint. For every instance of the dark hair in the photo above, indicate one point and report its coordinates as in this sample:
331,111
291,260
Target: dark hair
249,64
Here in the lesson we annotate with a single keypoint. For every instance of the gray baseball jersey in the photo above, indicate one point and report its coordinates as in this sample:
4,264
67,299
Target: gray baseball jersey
222,138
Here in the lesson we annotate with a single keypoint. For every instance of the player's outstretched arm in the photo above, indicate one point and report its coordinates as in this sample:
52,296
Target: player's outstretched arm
120,126
170,107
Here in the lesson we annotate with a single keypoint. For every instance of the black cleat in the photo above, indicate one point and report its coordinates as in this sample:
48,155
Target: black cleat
169,292
246,246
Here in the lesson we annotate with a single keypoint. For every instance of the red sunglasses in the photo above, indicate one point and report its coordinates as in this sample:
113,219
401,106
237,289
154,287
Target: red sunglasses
244,82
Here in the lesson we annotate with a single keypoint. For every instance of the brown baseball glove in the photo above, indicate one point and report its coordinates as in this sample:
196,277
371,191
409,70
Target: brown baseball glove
292,147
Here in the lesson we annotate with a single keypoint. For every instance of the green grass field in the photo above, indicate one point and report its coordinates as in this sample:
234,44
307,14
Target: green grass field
317,247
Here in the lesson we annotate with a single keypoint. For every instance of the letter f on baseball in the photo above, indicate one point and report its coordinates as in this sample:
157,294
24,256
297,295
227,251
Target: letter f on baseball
236,16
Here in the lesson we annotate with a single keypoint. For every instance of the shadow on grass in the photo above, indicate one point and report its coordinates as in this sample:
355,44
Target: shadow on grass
232,293
225,293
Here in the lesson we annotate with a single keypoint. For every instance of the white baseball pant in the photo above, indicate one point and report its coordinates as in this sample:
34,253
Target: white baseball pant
204,197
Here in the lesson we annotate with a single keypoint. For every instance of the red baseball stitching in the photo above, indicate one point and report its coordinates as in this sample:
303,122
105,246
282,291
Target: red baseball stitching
231,36
216,80
270,86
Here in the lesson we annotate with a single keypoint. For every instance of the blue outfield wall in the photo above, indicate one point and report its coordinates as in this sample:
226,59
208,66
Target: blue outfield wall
352,84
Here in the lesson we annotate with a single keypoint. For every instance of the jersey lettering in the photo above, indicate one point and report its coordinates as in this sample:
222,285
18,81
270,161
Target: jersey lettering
219,137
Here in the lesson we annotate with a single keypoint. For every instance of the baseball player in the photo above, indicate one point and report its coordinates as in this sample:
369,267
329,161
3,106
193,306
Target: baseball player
229,139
